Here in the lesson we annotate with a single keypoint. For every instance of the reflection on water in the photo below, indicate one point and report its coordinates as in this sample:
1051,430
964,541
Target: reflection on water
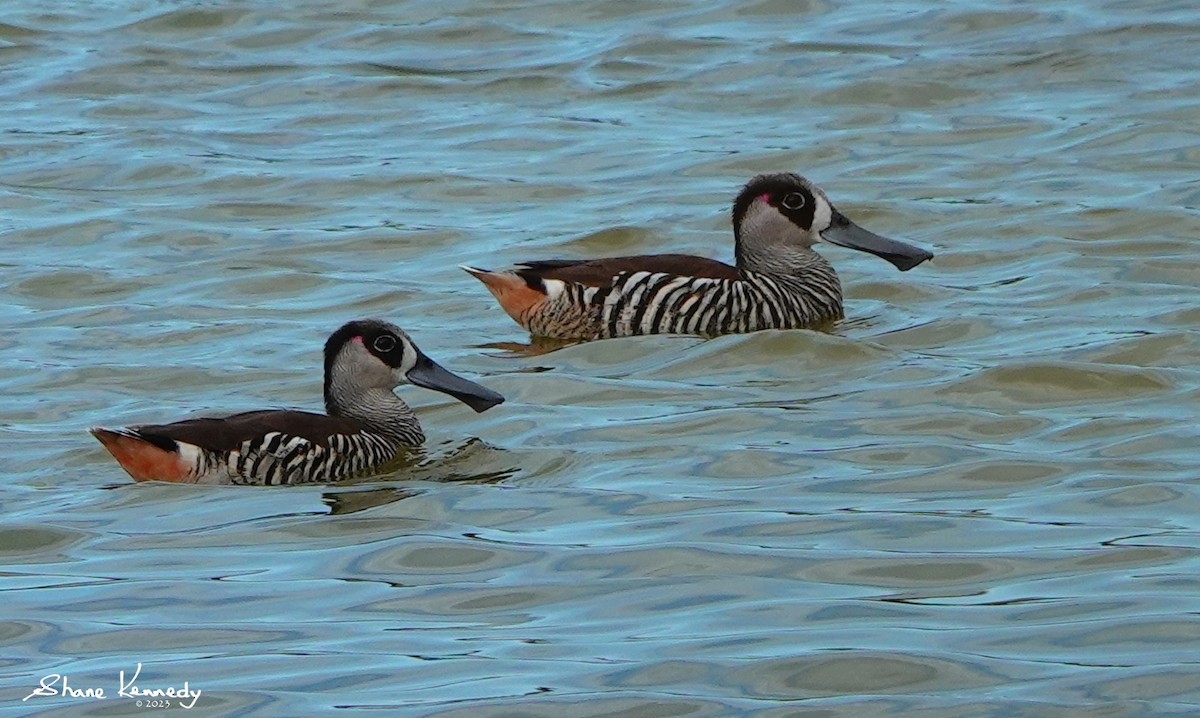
349,502
535,346
458,464
973,496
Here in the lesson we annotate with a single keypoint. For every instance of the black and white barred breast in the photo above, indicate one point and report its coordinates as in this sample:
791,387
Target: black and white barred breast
638,303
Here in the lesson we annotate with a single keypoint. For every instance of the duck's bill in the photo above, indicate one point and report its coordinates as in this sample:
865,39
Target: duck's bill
429,374
848,234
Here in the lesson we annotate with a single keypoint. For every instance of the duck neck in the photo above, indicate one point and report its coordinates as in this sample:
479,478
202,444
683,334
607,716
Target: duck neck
780,259
379,411
804,285
767,242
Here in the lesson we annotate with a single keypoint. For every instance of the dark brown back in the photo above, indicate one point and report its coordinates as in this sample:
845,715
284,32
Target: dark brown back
600,272
228,433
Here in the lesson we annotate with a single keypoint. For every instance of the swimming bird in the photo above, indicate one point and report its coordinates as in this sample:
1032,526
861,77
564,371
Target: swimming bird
779,282
365,424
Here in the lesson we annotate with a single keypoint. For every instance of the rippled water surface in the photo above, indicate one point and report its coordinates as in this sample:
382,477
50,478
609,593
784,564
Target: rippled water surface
974,497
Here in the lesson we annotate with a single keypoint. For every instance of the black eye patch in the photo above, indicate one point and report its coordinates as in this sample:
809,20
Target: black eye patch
384,343
793,200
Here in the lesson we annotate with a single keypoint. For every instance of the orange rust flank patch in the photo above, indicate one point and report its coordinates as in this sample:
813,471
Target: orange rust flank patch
141,459
514,295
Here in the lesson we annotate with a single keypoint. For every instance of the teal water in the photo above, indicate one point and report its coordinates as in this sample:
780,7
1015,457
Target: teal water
974,497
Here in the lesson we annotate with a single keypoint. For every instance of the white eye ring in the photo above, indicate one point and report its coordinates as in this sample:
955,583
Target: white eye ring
384,343
793,200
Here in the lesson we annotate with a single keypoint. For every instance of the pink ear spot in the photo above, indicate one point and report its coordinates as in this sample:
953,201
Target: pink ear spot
356,340
765,197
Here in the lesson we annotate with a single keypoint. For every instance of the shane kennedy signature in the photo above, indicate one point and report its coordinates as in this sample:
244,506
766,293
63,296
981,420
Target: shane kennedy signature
57,684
